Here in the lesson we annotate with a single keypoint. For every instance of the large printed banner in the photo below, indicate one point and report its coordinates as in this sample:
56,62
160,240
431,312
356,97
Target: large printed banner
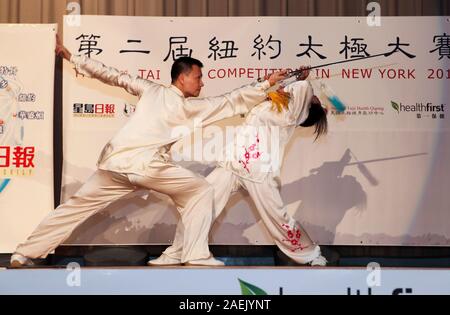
27,62
380,177
233,282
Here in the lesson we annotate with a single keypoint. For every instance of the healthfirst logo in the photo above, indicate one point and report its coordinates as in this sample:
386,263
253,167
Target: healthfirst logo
250,289
420,109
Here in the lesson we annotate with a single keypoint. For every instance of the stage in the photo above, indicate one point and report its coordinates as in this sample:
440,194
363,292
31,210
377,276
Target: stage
119,142
73,280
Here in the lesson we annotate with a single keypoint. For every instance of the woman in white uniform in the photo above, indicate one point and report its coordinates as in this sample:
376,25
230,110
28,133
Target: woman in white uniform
260,176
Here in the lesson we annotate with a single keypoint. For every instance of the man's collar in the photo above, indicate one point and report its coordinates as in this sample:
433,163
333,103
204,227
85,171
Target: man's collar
176,90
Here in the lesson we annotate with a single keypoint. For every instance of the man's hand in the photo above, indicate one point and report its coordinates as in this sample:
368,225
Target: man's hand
276,76
62,51
304,74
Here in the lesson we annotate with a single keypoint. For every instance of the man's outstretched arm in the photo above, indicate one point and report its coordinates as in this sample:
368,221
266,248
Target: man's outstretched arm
238,101
97,70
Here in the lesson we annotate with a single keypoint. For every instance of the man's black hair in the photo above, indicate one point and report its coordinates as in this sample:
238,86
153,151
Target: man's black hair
183,65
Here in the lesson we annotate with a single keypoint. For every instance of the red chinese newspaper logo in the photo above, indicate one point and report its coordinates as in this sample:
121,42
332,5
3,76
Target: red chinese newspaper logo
18,157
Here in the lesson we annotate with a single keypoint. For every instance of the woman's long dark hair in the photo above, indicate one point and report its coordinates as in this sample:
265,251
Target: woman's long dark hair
317,117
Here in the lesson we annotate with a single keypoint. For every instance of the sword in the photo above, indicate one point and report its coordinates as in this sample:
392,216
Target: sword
297,72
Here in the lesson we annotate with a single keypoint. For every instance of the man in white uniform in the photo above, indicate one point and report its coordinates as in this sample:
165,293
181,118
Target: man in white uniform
256,168
138,156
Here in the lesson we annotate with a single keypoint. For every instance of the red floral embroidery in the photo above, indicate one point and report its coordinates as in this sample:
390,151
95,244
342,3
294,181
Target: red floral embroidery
294,236
251,153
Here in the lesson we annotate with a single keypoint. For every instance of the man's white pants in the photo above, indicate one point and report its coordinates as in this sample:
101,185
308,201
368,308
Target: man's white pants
287,234
192,194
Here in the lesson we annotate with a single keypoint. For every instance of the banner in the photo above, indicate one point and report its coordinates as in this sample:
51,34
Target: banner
26,129
378,178
227,283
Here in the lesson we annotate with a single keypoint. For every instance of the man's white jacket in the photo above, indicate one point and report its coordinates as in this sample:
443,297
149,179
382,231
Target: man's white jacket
159,111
